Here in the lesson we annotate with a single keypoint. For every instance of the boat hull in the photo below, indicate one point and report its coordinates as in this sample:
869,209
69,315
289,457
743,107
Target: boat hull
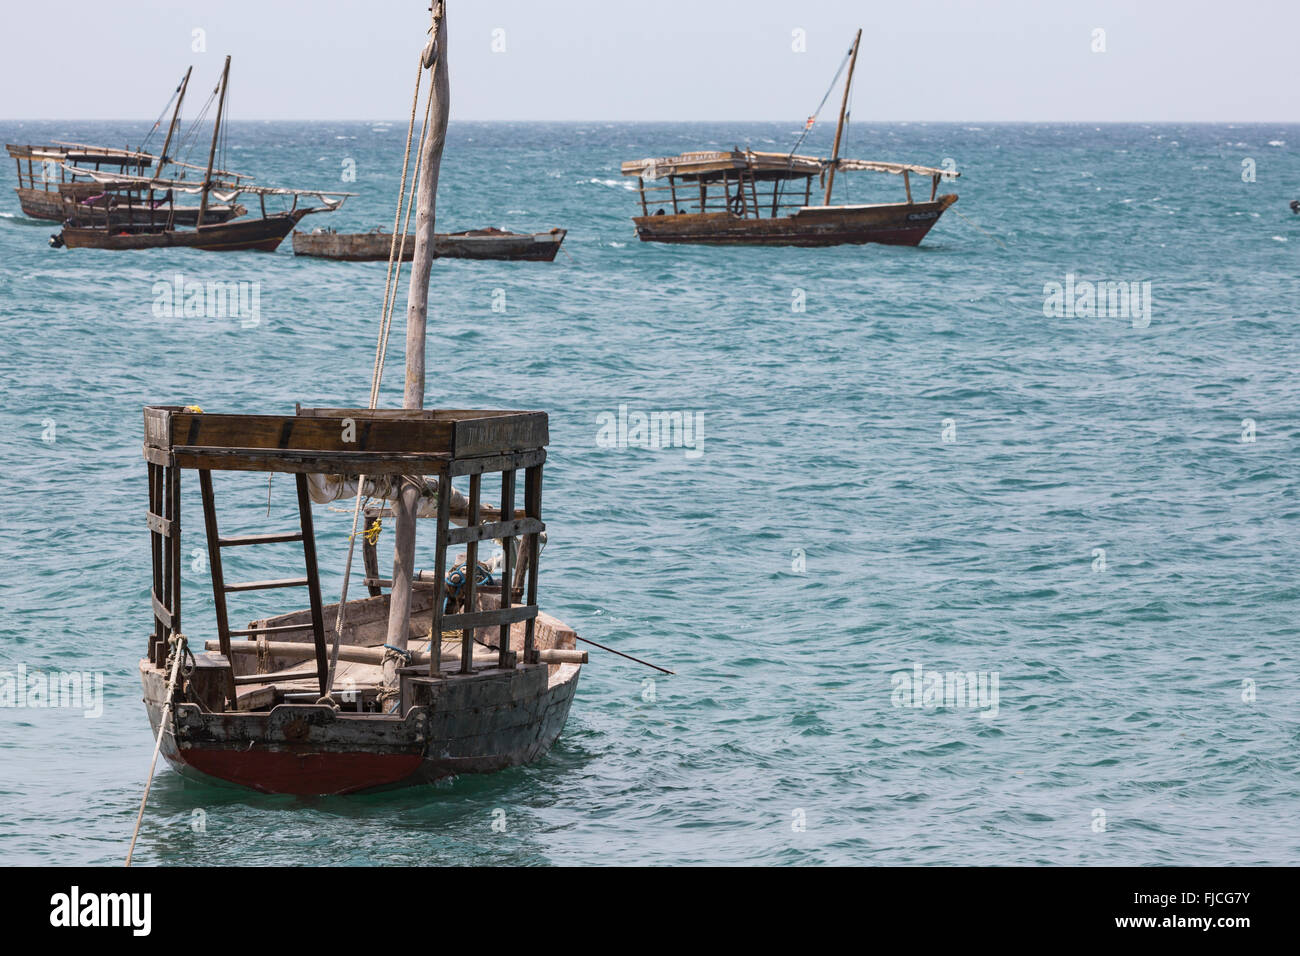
49,205
475,244
478,724
902,224
262,235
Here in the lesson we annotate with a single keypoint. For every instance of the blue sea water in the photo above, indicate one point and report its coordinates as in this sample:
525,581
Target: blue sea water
916,470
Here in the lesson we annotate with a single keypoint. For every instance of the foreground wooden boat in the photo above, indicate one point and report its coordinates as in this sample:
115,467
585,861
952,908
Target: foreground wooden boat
744,197
472,244
253,709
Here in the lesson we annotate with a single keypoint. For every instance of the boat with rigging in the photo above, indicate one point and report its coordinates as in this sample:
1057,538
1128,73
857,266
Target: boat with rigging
52,174
376,245
748,197
453,670
131,211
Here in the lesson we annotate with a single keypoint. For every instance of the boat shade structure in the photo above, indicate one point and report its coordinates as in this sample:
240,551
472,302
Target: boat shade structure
290,704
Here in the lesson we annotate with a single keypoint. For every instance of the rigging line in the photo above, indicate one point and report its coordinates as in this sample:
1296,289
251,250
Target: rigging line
180,650
385,326
807,127
153,129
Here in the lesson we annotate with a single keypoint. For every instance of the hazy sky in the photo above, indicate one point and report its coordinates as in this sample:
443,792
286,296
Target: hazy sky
663,60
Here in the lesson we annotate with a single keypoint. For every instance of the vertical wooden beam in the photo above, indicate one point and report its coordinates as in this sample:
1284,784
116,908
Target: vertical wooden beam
839,127
672,186
214,560
533,508
174,515
703,195
507,564
313,583
471,575
934,186
440,571
907,184
640,185
156,552
370,554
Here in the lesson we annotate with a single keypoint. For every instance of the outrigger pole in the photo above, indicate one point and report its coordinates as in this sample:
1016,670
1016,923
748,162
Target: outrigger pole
212,152
839,127
417,308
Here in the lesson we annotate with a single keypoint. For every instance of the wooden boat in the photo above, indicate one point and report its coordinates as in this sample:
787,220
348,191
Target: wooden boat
375,245
139,212
744,197
437,676
54,173
247,710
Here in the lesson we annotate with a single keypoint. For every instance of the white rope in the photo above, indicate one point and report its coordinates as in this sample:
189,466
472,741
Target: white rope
178,652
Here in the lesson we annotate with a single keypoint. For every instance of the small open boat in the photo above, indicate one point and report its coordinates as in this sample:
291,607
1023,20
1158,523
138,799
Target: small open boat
744,197
376,245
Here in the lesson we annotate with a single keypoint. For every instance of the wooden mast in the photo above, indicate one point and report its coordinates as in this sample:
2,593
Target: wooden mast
212,151
839,127
176,113
417,306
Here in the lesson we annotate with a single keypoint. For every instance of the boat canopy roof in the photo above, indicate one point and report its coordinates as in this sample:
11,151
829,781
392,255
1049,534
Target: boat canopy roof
715,164
103,155
224,191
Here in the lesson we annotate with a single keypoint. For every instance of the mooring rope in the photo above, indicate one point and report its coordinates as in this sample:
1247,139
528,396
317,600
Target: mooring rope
180,651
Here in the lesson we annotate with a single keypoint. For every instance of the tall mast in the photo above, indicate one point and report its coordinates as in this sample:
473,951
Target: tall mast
212,152
839,127
176,113
417,308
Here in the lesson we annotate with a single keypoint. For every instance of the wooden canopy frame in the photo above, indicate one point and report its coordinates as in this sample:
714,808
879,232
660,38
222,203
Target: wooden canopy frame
438,443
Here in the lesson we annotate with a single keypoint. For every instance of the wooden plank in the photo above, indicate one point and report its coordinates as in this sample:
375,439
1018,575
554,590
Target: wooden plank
440,572
471,569
243,539
306,462
158,524
478,466
214,560
174,541
477,619
267,585
277,629
161,613
493,529
533,505
155,552
370,555
507,570
313,582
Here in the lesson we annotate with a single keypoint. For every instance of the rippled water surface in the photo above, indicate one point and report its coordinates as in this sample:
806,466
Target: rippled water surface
826,539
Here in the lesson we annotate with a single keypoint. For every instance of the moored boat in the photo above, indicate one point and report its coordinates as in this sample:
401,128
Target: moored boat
747,197
376,245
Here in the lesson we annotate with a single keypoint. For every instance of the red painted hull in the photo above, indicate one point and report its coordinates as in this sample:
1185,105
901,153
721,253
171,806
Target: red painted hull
302,774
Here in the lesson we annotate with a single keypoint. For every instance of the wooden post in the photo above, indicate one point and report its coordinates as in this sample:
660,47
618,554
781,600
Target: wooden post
507,575
214,559
640,185
471,574
533,508
907,184
417,308
839,127
934,186
313,583
672,186
212,151
440,571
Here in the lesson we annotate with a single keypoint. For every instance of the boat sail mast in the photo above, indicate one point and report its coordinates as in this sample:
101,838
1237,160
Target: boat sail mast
839,127
171,129
212,151
417,307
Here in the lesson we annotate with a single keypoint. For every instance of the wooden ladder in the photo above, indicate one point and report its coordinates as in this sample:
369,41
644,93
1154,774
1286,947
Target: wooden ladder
311,580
